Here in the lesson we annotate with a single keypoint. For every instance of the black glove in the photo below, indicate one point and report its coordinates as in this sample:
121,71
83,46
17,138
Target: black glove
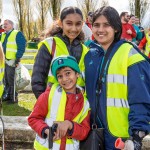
137,138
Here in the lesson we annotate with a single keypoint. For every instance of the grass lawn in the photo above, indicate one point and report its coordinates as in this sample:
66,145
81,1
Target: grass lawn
23,108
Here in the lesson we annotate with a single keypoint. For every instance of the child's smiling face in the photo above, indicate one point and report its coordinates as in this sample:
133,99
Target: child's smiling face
67,79
72,26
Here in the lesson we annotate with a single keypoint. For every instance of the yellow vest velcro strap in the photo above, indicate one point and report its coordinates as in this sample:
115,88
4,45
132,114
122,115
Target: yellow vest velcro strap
11,50
118,78
116,102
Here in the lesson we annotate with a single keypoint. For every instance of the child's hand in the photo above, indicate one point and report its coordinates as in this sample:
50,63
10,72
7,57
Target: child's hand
47,132
62,129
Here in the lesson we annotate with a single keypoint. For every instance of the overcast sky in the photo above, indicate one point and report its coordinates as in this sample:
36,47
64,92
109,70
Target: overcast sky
8,9
120,5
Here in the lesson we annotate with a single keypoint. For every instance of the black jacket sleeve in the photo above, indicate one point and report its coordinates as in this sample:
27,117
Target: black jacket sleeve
40,71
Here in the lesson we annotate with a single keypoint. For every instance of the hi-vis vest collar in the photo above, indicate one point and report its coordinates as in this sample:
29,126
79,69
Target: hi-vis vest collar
117,85
61,49
11,46
56,112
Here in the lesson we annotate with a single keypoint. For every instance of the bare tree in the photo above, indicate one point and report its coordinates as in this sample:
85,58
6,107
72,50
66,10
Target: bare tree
19,6
87,5
1,8
55,8
145,4
132,6
29,22
104,3
24,14
43,6
139,7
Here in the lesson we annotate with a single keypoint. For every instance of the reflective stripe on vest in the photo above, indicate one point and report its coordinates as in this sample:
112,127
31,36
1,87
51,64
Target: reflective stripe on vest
11,46
56,112
2,70
117,93
1,79
61,49
147,51
117,78
116,102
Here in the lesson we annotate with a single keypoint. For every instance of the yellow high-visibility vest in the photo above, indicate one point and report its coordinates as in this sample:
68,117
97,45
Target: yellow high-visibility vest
1,79
147,49
56,112
61,49
117,89
11,46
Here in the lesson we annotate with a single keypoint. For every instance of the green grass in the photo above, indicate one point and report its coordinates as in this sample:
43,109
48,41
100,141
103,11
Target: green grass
23,108
14,110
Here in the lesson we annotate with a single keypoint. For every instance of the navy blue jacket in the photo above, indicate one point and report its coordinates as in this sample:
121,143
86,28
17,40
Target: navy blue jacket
138,92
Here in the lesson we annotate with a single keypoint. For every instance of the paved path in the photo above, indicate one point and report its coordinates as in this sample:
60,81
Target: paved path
18,130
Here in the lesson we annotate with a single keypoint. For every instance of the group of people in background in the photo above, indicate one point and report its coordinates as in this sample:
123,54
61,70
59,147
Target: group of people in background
68,75
132,31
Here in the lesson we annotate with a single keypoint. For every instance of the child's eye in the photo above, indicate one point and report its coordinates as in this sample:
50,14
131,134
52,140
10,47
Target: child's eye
69,24
59,76
79,24
96,25
67,73
106,25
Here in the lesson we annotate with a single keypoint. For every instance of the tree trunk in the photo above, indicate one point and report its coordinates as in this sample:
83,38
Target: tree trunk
137,8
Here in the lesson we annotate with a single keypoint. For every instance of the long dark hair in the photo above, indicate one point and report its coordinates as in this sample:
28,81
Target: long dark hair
56,29
113,18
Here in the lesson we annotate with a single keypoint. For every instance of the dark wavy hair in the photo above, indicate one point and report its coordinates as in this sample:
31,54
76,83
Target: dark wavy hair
56,29
113,18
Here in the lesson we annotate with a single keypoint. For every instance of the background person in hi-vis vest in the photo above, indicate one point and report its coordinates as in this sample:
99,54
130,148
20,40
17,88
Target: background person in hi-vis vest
64,104
122,79
145,42
2,65
13,42
65,38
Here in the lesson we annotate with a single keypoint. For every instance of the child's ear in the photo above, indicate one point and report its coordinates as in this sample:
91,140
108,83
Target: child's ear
78,75
59,23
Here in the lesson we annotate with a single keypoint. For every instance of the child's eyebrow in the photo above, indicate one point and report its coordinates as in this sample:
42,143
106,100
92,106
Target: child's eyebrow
65,71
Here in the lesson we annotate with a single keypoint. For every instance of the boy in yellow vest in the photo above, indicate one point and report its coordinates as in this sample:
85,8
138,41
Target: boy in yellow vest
63,104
